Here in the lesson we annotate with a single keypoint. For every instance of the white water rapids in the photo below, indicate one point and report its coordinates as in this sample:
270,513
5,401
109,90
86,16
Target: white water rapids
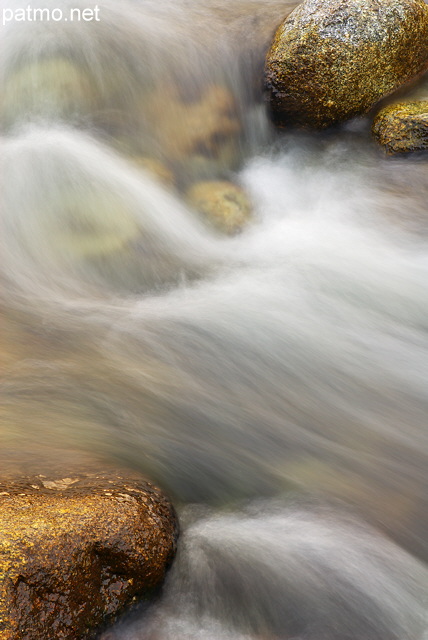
273,383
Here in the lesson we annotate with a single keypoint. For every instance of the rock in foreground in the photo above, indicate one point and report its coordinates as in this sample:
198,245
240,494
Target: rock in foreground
75,551
332,60
402,128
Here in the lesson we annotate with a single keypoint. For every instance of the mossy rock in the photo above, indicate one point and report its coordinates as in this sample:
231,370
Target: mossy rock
223,204
51,87
77,550
403,127
332,60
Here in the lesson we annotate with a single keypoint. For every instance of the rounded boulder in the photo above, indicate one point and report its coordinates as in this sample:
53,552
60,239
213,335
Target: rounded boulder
76,551
332,60
403,127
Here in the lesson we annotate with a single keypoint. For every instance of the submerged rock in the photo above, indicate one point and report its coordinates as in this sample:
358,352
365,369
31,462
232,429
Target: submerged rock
333,59
51,87
88,222
403,127
157,169
76,550
225,205
199,134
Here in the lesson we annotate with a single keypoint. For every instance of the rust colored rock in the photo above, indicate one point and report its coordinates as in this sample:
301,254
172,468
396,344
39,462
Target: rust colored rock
402,128
75,551
332,60
223,204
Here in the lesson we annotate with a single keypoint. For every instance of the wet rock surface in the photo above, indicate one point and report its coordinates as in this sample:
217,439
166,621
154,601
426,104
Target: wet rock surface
221,203
403,127
333,59
75,551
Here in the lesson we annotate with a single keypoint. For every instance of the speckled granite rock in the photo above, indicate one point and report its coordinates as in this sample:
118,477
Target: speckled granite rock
75,551
223,204
403,127
334,59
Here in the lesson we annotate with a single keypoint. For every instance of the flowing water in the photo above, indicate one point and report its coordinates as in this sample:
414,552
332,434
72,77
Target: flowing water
273,382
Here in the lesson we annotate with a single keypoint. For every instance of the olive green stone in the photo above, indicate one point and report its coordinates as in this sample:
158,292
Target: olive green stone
402,128
332,60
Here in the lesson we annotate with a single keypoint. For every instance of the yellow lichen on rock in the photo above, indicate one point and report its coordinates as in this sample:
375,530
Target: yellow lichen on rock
402,127
75,551
331,60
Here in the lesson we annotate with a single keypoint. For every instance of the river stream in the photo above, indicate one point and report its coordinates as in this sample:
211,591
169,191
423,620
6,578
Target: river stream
273,381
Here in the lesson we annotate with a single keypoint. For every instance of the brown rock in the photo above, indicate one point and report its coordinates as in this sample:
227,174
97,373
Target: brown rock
225,205
334,59
402,128
76,550
200,134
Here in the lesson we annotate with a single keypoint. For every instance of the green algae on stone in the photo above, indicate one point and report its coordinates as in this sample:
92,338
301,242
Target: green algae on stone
402,127
332,60
76,550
